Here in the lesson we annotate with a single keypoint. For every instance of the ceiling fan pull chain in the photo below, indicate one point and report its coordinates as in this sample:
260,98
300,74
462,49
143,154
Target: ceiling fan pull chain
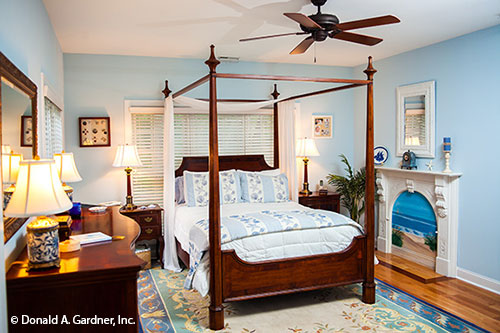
314,53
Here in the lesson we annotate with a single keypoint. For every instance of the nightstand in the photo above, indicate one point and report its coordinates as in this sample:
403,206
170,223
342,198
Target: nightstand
151,223
330,201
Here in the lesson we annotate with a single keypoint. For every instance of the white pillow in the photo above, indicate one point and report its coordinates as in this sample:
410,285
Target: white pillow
196,188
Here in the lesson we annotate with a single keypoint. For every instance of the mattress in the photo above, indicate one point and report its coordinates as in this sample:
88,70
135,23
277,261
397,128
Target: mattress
293,243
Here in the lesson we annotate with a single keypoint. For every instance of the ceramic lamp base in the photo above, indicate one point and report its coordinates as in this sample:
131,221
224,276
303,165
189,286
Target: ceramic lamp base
43,243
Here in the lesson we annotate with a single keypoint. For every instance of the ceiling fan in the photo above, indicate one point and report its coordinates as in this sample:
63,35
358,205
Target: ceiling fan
320,26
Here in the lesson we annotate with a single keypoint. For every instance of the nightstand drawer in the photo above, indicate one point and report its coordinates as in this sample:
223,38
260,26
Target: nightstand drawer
148,220
153,231
329,202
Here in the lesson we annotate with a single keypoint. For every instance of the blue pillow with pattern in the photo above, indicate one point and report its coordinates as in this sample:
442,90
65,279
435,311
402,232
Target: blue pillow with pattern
196,188
260,188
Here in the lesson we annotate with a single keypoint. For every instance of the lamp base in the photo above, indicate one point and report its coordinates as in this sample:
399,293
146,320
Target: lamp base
43,243
305,189
130,204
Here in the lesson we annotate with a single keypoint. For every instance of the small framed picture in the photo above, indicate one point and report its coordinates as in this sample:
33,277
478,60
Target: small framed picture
94,131
322,127
26,131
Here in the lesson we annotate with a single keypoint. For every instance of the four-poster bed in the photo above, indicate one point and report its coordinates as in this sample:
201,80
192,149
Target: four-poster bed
233,279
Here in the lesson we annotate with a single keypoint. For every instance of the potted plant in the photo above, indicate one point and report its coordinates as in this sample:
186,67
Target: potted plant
351,189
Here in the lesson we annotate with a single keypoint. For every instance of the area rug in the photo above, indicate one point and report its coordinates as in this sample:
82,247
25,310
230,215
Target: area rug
165,306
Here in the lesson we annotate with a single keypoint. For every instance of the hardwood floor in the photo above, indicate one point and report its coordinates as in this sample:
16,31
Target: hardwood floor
462,299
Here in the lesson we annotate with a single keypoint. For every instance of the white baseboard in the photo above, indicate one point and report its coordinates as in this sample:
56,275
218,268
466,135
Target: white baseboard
479,280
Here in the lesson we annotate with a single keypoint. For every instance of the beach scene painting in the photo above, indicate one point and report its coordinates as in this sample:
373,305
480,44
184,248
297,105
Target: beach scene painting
414,229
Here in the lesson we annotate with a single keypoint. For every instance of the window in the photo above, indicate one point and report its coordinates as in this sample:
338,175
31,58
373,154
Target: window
239,134
147,135
53,128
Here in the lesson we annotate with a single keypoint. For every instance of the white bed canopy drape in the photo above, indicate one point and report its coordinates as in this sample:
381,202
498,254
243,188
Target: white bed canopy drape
288,165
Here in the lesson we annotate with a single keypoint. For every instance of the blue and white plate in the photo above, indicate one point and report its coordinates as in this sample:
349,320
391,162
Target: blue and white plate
380,154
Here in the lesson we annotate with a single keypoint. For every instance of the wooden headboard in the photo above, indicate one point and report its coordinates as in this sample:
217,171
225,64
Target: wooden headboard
241,162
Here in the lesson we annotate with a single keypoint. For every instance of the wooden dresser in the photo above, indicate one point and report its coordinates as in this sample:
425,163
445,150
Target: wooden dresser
99,281
330,202
150,221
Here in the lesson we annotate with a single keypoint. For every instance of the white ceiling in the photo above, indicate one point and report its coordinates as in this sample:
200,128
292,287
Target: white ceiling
185,29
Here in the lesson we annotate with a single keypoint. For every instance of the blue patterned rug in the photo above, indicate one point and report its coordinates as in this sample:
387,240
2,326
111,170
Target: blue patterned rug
164,306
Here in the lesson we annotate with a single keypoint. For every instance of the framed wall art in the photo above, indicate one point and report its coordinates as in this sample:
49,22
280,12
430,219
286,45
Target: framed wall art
26,131
322,127
94,131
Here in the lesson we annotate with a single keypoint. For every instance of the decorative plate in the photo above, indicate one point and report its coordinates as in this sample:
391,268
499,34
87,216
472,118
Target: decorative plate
380,154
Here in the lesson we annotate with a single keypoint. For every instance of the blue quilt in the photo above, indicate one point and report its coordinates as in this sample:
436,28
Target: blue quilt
236,227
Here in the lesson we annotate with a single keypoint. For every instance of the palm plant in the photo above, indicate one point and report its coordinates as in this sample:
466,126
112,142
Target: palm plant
351,189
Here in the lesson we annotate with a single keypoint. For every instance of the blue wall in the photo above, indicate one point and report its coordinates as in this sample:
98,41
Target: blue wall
466,70
28,40
97,85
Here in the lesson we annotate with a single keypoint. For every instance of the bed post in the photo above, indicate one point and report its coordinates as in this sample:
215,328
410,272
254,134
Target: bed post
216,310
275,95
369,283
166,92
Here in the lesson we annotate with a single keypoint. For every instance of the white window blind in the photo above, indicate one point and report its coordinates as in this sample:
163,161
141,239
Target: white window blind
239,134
53,129
147,135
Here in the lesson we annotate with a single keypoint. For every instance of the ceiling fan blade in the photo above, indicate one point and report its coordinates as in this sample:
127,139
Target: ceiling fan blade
303,46
271,36
371,22
303,19
357,38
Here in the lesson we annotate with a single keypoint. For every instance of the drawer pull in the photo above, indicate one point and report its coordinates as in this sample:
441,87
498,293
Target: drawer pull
148,219
149,230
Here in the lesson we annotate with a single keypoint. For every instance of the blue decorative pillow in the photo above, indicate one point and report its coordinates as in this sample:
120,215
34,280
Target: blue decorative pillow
196,188
179,190
260,188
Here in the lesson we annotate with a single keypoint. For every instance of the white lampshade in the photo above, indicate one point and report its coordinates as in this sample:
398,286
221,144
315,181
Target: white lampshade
66,168
127,156
306,147
38,191
10,167
6,149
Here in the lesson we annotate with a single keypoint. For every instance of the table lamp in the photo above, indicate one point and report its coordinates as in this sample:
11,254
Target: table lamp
306,147
39,193
10,170
127,157
67,171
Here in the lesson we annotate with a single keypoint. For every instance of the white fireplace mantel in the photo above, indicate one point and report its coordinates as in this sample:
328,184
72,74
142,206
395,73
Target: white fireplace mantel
441,190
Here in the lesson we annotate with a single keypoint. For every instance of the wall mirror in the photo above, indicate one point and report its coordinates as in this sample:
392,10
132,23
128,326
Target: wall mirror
416,119
18,133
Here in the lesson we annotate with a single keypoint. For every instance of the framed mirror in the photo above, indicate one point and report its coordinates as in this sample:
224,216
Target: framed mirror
18,133
416,119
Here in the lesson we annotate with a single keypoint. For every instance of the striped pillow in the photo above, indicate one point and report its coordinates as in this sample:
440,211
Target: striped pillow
196,188
260,188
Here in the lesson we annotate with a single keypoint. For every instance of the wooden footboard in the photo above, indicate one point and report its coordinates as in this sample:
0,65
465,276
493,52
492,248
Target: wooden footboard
244,280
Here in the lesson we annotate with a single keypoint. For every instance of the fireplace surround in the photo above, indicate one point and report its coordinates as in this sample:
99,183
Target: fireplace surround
441,191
